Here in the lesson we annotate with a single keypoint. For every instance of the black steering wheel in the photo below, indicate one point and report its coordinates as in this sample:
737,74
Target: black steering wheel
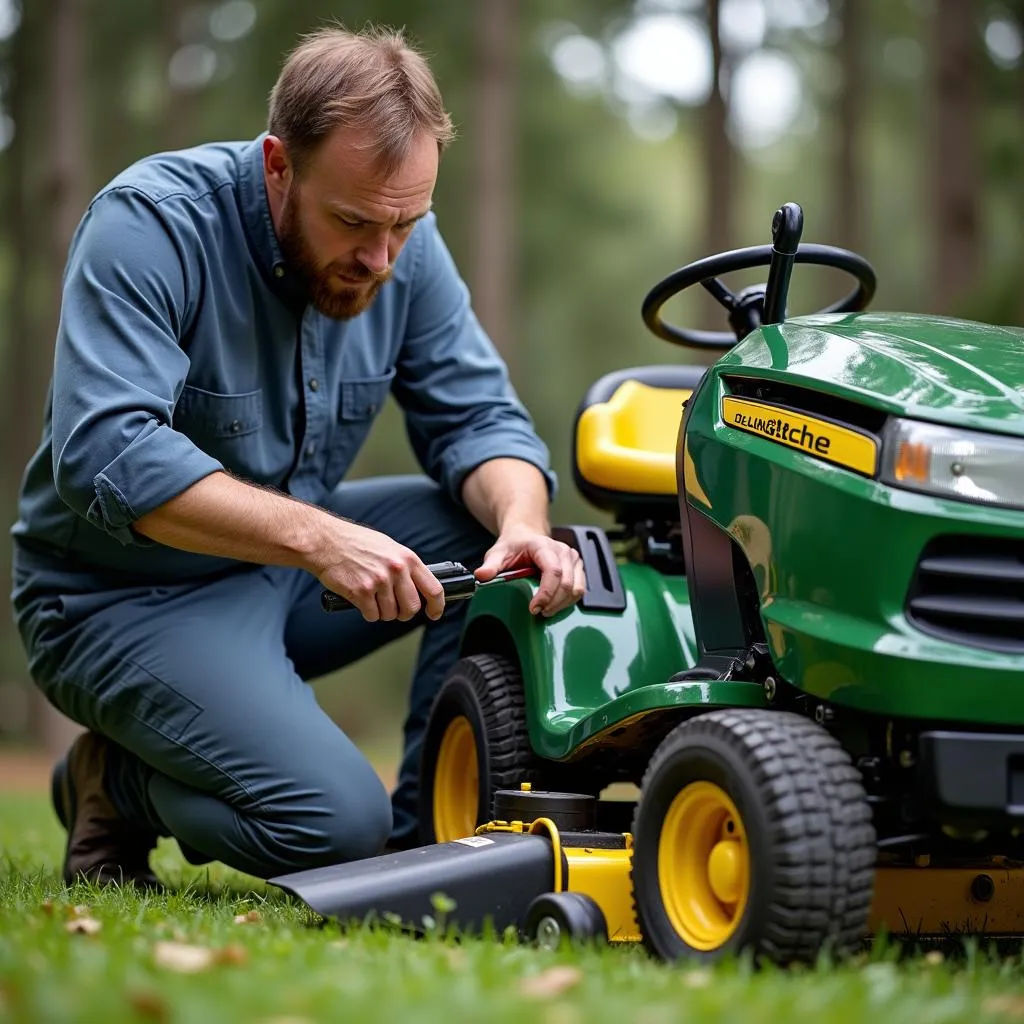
759,304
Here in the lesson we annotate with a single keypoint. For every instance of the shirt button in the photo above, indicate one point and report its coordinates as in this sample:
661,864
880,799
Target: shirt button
278,271
313,383
310,450
235,426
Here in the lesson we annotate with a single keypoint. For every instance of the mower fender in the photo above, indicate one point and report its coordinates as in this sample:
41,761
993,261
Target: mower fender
586,673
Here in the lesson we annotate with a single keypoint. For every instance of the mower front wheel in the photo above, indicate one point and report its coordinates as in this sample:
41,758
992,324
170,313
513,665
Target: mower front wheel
752,832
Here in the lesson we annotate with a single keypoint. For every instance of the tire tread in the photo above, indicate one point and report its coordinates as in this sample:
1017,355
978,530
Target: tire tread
822,837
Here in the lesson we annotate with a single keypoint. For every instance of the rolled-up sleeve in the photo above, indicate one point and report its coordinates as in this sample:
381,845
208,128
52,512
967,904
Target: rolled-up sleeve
460,407
119,367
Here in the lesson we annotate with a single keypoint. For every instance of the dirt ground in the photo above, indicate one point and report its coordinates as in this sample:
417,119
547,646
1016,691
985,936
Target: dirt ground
24,771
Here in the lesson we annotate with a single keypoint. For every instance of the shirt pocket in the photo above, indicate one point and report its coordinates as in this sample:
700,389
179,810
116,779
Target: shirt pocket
211,415
226,427
362,397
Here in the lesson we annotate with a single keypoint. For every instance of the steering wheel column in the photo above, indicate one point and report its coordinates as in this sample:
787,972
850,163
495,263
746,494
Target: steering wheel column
759,304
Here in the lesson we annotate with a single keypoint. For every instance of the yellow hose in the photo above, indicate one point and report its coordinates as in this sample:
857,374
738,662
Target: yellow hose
556,846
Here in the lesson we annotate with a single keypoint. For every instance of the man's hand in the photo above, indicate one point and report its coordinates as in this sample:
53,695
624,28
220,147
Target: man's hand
562,581
381,577
510,497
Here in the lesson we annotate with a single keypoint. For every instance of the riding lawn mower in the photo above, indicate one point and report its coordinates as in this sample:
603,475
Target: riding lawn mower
801,645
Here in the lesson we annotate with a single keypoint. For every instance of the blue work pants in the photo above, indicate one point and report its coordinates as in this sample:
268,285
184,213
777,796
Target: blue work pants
203,688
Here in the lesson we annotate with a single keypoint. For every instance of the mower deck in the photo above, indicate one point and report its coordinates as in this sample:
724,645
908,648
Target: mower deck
488,881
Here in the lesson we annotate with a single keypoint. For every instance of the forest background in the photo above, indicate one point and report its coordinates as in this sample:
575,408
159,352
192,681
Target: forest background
602,144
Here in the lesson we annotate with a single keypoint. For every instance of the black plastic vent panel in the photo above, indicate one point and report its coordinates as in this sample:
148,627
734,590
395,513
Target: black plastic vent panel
816,403
970,590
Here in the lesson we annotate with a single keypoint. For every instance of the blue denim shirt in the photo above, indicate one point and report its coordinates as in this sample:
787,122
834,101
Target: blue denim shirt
184,347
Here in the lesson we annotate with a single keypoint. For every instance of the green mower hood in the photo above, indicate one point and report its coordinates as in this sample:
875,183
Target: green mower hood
888,599
954,372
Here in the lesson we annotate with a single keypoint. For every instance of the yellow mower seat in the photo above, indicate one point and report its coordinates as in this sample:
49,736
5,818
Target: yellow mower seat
627,426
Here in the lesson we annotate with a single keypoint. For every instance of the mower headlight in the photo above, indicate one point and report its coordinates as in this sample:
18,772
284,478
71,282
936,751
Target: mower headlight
963,464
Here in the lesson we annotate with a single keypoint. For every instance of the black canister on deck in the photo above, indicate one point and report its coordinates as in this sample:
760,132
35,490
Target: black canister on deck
571,812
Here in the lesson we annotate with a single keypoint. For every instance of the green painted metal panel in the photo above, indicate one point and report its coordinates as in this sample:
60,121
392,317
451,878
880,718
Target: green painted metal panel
587,671
932,368
834,553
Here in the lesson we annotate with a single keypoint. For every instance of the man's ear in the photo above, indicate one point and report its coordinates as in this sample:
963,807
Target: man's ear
277,167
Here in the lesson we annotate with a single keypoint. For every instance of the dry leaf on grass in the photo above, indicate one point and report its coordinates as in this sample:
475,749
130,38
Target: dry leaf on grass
177,956
253,917
47,907
551,982
150,1005
186,959
79,910
233,954
1010,1005
933,957
83,926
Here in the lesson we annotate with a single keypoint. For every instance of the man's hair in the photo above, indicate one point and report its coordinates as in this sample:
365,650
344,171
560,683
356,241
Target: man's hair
373,80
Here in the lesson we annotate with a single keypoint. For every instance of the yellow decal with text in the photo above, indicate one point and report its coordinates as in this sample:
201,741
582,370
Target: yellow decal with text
825,440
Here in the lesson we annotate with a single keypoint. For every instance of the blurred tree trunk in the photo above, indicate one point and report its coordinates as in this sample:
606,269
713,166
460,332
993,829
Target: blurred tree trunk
495,139
955,181
849,204
20,423
19,410
66,198
68,177
180,107
719,162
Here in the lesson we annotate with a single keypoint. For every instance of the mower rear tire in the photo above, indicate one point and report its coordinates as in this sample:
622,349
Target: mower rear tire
476,742
752,832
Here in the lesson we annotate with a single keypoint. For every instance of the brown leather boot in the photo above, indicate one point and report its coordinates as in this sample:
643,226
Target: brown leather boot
103,848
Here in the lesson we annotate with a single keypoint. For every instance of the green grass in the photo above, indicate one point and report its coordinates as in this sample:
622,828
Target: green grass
285,968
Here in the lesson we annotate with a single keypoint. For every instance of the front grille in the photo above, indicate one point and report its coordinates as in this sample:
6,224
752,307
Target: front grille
971,590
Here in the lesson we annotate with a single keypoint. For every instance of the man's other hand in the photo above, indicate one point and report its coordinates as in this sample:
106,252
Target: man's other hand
562,580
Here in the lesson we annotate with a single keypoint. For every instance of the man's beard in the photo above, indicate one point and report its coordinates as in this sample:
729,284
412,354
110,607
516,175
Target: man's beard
333,298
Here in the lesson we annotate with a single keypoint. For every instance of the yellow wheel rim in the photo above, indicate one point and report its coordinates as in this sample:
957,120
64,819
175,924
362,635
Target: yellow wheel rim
456,783
703,866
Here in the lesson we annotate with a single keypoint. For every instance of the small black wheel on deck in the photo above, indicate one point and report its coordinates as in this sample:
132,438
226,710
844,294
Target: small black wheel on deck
558,918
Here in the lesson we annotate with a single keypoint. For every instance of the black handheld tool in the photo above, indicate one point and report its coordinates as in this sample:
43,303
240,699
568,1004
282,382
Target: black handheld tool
456,580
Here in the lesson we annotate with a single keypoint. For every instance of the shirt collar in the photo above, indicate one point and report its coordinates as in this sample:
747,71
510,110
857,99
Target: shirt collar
260,227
